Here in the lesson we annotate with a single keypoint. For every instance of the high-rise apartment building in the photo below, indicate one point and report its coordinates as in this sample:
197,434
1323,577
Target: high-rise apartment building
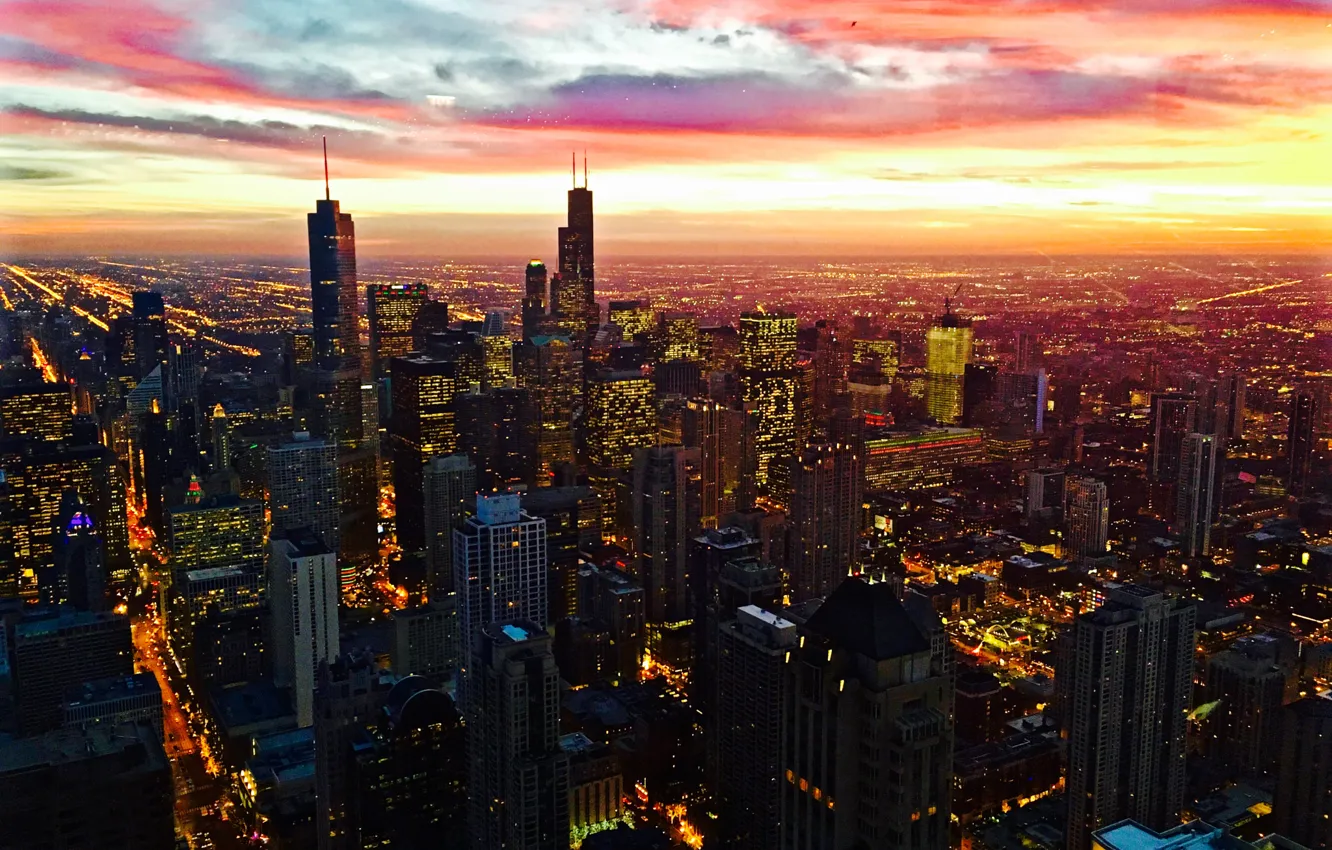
303,487
867,721
1248,685
1129,689
768,389
1173,417
1087,518
499,566
1197,498
824,519
392,308
621,416
518,776
1301,805
303,600
1045,493
422,427
948,348
717,431
425,640
752,651
665,508
448,485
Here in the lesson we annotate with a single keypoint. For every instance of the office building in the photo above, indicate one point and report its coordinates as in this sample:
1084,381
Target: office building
1173,417
422,427
499,566
448,487
717,431
1301,804
609,598
1233,392
303,601
947,353
753,646
1045,494
221,430
824,519
425,640
1306,410
907,458
219,531
573,293
110,702
518,776
1129,686
1197,497
596,786
621,416
573,526
979,405
1087,519
868,720
432,318
36,411
148,312
77,575
392,309
548,367
499,352
56,651
633,318
303,487
768,390
678,337
408,772
665,508
86,789
535,299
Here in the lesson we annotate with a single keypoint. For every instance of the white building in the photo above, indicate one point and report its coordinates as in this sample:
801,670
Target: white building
303,601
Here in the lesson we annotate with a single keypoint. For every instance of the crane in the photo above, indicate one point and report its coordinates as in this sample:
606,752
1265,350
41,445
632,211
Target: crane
948,302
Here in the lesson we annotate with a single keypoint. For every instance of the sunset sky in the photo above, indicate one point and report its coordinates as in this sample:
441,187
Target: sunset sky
819,127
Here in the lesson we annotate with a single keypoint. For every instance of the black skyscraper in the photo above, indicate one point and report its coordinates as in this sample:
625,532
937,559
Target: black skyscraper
150,334
573,295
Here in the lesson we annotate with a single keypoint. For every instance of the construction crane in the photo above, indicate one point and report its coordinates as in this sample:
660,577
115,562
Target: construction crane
948,302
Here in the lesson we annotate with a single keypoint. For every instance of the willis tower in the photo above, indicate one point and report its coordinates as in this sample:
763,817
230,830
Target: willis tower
337,375
574,293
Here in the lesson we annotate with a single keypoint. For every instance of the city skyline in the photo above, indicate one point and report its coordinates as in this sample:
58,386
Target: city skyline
772,128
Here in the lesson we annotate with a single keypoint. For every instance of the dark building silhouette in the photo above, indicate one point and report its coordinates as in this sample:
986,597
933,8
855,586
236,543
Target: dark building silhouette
1301,804
54,651
1305,411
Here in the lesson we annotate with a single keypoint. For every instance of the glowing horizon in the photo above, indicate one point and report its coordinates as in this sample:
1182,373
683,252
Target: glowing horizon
785,127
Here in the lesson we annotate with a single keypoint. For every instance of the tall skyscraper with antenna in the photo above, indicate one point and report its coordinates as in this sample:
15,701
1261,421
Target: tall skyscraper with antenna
573,293
337,373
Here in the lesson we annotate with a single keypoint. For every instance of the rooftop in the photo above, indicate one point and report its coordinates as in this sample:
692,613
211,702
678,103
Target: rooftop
1194,835
868,619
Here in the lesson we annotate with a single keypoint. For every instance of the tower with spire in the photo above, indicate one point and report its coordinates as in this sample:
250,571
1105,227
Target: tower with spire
573,292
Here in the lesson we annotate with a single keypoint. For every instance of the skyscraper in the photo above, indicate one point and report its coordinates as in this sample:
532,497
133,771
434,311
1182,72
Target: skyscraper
1129,690
392,308
499,567
498,351
1173,416
1306,409
1197,496
150,333
220,531
303,599
337,380
54,651
768,390
753,647
868,725
77,575
665,508
221,438
1233,391
947,353
448,483
535,298
824,525
621,416
548,367
303,487
1087,517
422,427
518,777
573,295
1248,684
1045,493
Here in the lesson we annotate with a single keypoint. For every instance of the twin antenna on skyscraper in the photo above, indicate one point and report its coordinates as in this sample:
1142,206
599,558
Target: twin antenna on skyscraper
573,167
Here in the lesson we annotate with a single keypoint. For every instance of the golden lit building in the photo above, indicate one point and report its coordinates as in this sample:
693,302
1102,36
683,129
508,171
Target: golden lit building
392,308
621,415
36,411
768,381
679,336
948,347
548,367
882,354
421,426
221,531
632,317
499,359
